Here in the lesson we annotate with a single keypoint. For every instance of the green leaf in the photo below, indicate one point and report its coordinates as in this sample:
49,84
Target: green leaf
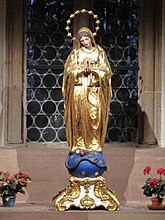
148,180
163,192
147,192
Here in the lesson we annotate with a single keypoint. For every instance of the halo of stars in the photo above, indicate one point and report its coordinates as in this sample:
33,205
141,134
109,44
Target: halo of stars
68,22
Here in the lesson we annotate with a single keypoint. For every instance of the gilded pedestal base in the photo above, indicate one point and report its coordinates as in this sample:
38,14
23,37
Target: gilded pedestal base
86,193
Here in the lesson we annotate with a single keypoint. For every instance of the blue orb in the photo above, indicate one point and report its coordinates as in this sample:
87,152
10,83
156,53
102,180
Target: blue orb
87,164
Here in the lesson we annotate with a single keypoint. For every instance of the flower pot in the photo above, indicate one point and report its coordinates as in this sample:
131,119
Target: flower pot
8,201
156,204
156,201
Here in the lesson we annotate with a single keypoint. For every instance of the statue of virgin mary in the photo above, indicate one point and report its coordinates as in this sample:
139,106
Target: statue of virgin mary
87,93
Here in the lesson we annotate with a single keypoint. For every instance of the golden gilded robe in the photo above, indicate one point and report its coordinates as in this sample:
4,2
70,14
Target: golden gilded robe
87,99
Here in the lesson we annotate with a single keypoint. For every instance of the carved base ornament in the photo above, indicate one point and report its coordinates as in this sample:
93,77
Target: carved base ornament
86,193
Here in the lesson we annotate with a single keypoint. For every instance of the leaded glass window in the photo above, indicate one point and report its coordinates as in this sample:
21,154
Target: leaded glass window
47,50
119,36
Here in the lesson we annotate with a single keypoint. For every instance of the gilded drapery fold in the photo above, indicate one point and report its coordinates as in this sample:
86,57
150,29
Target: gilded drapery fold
87,99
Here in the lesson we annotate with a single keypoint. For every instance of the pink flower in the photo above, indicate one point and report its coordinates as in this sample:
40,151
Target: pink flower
23,175
147,170
14,184
6,175
161,171
22,181
153,182
13,179
20,173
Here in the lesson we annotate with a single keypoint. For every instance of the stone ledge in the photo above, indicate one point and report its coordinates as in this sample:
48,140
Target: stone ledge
131,211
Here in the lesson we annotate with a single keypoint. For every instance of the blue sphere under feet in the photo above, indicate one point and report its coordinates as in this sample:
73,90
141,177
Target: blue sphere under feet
85,164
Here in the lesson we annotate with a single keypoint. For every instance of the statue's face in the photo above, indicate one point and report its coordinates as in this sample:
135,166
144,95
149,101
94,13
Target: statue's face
86,42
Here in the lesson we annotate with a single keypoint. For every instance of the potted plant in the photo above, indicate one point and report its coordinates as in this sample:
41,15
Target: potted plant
10,185
154,186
